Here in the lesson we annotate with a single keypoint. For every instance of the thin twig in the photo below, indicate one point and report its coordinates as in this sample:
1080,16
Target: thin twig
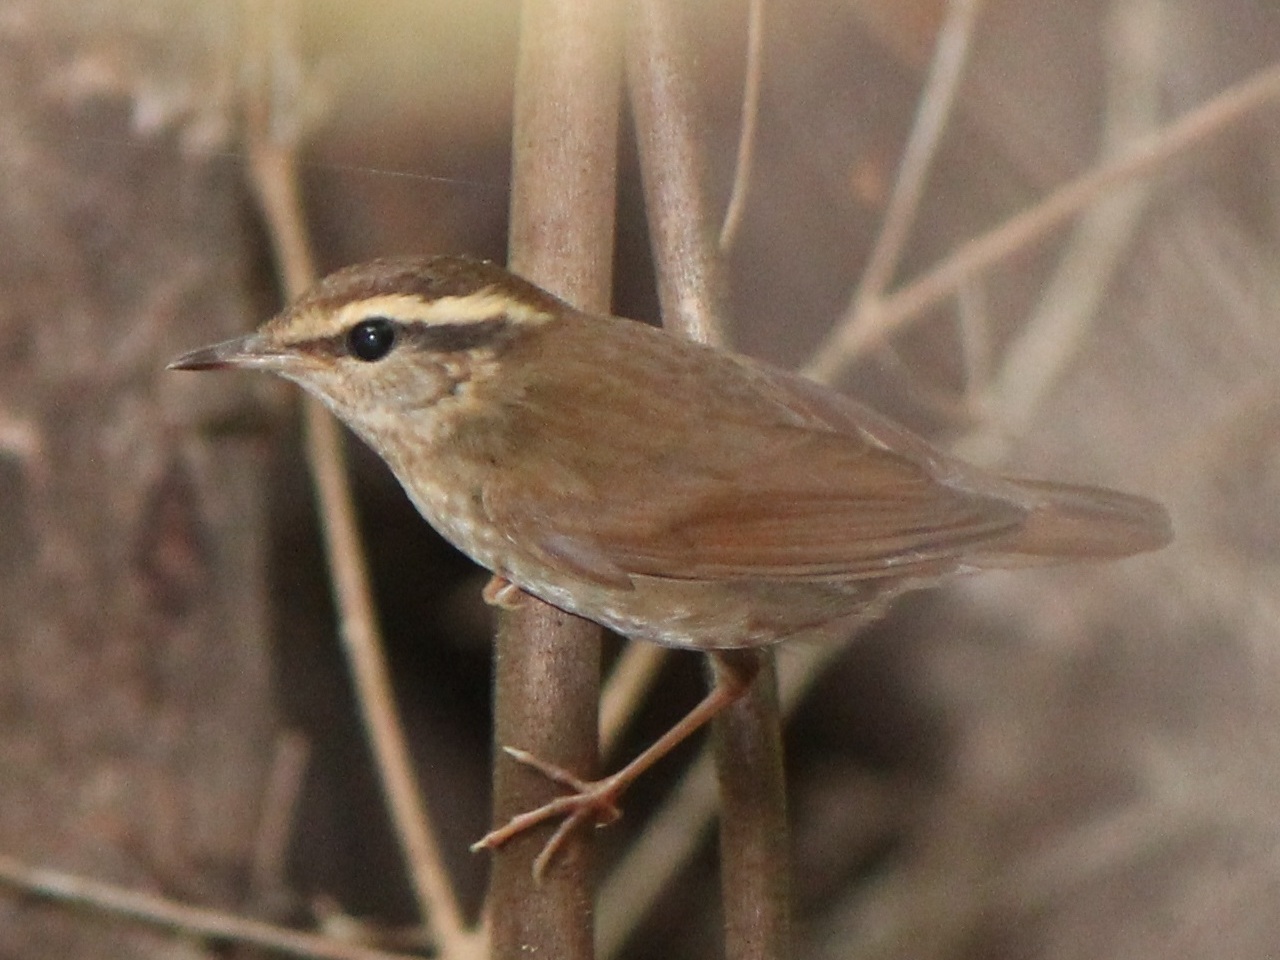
629,684
273,169
279,807
846,342
951,52
189,921
976,347
668,843
747,132
1061,324
357,627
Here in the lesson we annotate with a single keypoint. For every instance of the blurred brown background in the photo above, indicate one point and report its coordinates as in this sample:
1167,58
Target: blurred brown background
1051,764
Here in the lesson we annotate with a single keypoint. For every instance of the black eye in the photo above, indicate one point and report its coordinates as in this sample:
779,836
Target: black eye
372,339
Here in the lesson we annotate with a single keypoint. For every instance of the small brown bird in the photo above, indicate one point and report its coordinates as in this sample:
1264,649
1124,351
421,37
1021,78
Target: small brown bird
671,491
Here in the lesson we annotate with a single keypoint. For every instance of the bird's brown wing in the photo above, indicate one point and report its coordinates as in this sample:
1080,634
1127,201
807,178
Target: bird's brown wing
816,512
771,478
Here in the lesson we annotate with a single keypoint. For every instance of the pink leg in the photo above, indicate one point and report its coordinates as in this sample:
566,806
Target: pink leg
597,800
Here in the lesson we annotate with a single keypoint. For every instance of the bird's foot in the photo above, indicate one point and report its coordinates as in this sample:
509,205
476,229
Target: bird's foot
502,593
591,800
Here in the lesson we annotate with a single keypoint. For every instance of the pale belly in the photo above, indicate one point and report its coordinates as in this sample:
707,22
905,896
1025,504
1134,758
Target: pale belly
691,614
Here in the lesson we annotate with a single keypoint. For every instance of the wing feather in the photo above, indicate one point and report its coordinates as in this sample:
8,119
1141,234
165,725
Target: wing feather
765,476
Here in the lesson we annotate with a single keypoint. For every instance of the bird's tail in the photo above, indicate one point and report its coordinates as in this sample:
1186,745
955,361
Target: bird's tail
1069,522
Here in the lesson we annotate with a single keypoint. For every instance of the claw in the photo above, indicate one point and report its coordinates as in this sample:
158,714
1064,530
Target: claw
591,800
502,593
598,799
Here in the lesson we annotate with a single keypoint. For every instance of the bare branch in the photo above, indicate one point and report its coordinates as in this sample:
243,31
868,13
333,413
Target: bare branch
951,52
750,119
189,921
847,343
273,167
629,683
1064,318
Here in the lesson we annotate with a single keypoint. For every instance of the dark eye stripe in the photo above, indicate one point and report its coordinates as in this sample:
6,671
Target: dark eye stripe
430,338
456,337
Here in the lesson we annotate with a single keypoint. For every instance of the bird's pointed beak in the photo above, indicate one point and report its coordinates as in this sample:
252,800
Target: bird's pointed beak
249,352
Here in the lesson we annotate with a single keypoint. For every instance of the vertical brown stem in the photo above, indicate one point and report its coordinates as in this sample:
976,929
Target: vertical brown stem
660,87
755,850
548,663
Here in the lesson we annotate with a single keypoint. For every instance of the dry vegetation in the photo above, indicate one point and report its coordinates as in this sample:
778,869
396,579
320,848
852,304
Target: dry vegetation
1068,763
